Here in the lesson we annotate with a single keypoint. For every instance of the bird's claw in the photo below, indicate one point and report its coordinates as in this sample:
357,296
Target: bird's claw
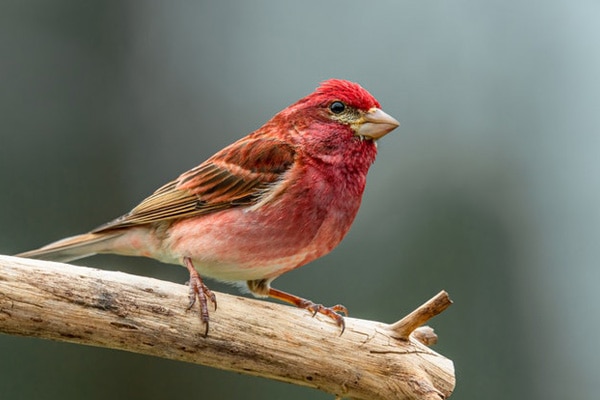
201,293
331,312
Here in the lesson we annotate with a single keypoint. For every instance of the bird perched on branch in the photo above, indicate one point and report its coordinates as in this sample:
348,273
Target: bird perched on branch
275,200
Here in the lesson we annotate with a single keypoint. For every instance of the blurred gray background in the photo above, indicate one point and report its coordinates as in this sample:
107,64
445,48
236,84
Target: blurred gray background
489,189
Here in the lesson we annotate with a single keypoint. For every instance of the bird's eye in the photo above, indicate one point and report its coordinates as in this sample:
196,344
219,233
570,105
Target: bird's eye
337,107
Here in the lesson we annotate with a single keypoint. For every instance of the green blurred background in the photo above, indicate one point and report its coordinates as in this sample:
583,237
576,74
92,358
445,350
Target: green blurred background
489,189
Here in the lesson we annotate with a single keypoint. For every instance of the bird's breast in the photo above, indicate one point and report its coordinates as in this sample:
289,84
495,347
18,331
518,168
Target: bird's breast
306,221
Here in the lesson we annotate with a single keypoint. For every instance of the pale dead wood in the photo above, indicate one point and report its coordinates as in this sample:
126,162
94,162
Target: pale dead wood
432,307
143,315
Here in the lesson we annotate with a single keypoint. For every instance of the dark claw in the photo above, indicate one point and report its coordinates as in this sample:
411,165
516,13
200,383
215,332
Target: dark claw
342,324
213,299
315,308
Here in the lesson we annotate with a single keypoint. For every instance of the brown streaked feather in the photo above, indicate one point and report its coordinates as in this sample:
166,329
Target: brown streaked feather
240,174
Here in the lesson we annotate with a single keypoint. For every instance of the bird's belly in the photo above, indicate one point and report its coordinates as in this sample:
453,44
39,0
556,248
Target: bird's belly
239,245
235,272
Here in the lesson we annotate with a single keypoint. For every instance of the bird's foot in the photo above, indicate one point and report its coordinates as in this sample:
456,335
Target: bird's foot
331,312
200,292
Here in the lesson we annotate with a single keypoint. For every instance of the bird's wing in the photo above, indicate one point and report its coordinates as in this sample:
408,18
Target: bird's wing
240,174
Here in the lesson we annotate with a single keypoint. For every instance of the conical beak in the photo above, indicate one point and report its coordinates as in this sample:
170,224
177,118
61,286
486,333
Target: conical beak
376,124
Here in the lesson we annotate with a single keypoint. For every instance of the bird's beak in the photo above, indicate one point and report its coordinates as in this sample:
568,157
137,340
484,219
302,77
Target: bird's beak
376,124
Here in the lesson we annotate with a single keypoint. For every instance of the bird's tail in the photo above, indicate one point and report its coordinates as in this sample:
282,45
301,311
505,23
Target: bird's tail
72,248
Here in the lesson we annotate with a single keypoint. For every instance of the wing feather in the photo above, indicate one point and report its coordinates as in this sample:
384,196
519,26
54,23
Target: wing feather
240,174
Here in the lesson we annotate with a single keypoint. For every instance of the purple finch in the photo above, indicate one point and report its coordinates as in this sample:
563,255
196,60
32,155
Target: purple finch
273,201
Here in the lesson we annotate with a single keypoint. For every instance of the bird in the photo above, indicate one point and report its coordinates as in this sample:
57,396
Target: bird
274,200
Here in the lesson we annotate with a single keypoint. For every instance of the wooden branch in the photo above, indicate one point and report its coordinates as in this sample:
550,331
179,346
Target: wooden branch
143,315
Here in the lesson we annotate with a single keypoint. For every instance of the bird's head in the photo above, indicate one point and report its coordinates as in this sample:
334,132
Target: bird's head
348,103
